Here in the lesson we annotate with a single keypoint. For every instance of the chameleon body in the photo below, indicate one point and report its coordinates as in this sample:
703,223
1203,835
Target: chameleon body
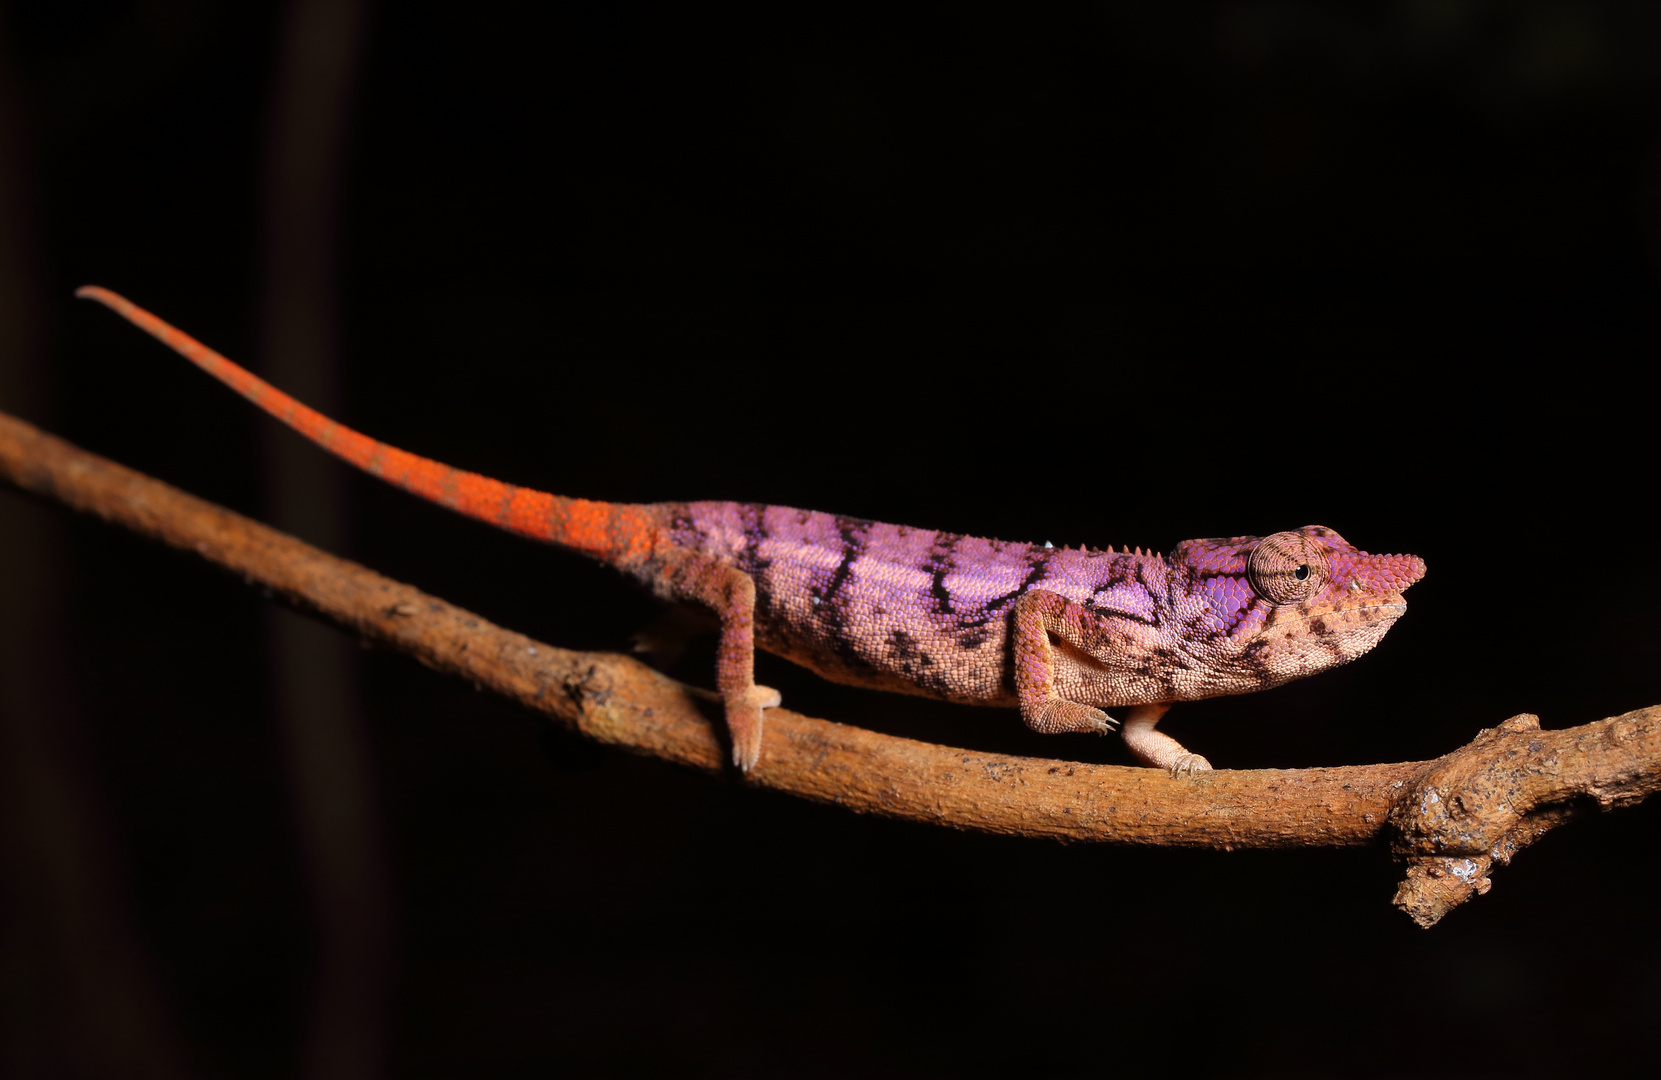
1061,633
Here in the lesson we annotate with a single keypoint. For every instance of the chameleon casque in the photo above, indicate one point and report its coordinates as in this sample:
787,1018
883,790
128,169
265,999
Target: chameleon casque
1061,633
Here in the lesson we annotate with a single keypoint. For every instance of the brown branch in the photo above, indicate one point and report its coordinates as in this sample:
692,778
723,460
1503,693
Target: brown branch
1449,819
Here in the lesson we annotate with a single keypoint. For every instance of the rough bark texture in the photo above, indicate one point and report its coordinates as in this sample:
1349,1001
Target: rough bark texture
1449,820
1510,786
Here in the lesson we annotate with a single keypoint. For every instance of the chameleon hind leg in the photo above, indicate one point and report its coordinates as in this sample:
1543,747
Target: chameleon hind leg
731,594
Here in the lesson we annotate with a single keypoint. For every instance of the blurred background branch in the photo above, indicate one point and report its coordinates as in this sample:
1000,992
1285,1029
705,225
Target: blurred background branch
78,992
315,679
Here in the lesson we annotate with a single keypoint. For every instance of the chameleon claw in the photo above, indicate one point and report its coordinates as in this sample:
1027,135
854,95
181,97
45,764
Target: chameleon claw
1060,715
1189,763
744,723
745,757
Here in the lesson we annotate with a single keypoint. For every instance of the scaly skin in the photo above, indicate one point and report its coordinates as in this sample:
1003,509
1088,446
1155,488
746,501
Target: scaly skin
1061,633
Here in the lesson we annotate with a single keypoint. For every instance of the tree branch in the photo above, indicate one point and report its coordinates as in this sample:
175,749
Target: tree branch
1449,820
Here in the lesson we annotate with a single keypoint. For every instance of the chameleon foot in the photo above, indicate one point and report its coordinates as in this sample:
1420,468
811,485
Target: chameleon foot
1059,716
744,723
1189,763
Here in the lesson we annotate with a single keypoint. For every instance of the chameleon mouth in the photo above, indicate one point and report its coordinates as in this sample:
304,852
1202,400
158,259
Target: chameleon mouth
1341,617
1396,608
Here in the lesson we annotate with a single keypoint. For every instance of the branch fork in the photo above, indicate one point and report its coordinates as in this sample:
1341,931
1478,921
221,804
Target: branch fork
1501,792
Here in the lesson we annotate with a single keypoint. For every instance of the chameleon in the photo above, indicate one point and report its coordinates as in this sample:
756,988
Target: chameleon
1062,634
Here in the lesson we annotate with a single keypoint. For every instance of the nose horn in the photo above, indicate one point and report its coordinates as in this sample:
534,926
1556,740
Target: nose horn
1396,572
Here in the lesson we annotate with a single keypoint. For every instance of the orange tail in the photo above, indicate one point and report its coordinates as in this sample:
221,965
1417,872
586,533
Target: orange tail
613,532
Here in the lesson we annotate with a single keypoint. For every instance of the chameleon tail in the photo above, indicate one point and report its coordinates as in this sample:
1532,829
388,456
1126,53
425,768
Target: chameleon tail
617,533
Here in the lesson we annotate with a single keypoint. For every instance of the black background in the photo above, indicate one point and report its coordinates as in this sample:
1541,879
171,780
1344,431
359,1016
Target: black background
1112,274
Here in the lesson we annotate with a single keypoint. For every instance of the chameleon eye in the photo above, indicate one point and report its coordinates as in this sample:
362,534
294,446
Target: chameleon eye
1286,568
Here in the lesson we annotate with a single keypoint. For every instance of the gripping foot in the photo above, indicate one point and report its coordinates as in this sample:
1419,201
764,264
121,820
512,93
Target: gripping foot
1057,715
1155,749
744,723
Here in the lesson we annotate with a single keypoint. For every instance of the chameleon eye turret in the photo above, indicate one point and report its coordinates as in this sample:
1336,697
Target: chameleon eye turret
1287,568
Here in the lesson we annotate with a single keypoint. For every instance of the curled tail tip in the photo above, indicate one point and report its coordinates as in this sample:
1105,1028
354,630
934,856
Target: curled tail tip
100,294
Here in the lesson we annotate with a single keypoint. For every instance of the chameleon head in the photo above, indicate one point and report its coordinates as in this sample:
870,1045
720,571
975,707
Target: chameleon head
1276,608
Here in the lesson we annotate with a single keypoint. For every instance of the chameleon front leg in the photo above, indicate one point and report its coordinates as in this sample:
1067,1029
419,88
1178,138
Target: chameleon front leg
1155,748
1039,615
731,594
